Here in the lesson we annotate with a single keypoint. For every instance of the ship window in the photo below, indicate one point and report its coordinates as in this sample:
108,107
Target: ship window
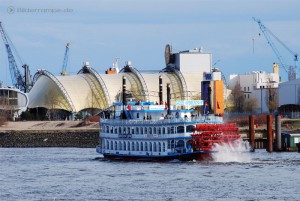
154,147
159,130
124,130
164,130
116,131
107,144
154,130
107,129
172,129
150,130
171,144
180,129
137,146
120,145
142,147
13,102
137,130
111,145
159,147
137,115
132,130
132,146
146,130
150,146
120,130
146,146
180,144
13,94
128,130
142,130
190,128
128,146
111,130
4,93
116,145
124,146
188,145
169,130
163,147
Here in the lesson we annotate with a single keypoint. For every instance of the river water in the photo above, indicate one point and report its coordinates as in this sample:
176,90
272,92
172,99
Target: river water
77,174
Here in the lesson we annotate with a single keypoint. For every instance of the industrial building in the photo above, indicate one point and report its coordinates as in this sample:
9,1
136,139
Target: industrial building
13,101
289,98
88,90
257,85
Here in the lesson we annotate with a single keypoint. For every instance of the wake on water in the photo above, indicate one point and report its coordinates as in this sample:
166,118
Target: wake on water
237,151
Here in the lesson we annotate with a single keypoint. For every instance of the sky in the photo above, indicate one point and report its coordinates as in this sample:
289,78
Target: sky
138,30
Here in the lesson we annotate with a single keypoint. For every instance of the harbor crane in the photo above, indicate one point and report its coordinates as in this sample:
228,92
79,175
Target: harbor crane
291,70
21,82
65,62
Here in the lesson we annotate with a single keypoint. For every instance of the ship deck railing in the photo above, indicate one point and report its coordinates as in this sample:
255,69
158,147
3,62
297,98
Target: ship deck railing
201,119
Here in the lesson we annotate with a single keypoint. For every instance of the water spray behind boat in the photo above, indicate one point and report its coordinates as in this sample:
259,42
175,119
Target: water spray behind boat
236,151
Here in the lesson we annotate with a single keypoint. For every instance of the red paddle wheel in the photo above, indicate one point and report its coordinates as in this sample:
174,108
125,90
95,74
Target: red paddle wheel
206,135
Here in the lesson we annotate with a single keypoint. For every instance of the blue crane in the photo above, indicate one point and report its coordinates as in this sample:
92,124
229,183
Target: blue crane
65,62
291,70
18,80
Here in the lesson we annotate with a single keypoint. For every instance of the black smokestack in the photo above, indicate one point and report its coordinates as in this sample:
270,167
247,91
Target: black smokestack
124,90
160,93
169,98
124,95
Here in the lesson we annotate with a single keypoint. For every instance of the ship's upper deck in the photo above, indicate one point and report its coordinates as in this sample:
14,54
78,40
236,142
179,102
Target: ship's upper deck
150,114
187,120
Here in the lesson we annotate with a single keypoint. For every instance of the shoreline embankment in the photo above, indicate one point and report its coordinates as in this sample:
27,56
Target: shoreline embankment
49,138
49,134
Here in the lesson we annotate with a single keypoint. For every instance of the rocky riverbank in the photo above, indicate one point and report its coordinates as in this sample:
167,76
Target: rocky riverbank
49,134
49,138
